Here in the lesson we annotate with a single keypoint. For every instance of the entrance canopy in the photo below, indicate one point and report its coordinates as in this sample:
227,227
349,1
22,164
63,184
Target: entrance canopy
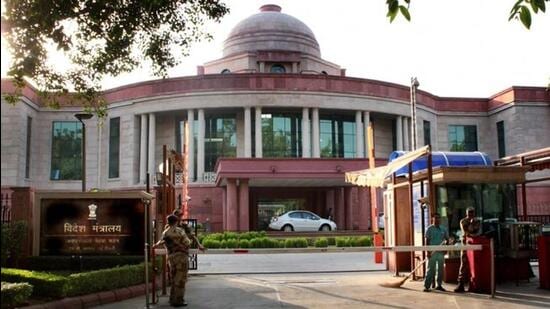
376,177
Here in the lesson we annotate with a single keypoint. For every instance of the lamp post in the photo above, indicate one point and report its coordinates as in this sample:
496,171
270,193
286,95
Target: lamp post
414,86
81,117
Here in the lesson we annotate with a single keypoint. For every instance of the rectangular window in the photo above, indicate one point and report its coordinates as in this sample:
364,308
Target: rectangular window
501,140
220,139
462,138
427,133
114,147
281,135
337,136
66,150
28,150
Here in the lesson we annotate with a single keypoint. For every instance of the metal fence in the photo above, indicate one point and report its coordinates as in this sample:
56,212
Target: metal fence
544,219
5,199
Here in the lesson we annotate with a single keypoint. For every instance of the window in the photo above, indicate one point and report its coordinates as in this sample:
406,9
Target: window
277,68
295,215
337,137
114,147
66,150
28,150
225,71
501,140
220,139
281,135
462,138
427,133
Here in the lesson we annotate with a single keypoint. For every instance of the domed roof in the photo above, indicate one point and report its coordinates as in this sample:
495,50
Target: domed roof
271,30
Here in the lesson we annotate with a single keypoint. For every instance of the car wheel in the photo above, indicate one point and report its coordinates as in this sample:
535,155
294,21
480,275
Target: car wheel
325,228
288,228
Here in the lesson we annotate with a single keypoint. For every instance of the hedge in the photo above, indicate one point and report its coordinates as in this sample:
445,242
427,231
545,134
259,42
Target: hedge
80,263
321,243
44,284
14,294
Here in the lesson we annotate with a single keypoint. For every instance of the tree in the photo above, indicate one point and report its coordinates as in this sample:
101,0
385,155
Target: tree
100,37
521,10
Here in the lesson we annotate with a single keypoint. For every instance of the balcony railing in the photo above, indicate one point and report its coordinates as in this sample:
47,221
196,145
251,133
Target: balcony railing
208,177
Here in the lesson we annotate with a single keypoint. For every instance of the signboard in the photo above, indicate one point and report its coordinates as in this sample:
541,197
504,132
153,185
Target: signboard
91,227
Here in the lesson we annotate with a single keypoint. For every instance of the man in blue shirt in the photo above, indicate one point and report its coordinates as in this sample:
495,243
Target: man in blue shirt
435,235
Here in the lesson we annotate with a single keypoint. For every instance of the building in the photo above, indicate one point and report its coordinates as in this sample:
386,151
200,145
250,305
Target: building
274,126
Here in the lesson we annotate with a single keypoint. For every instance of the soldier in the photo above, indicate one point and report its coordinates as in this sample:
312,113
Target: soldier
187,229
470,226
177,244
435,235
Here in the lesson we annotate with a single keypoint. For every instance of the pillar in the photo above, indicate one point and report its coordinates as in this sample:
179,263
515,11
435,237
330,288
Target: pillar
200,146
247,133
348,200
262,67
329,204
224,209
152,144
258,132
295,67
406,135
143,150
231,204
315,133
340,212
306,136
359,148
364,211
399,133
244,216
191,145
366,122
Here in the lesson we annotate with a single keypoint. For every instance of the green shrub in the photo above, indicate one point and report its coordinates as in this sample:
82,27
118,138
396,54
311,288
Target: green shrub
44,284
289,243
300,243
232,243
311,242
256,243
214,236
230,235
223,244
262,234
281,243
13,238
331,241
80,263
14,294
364,241
244,243
342,242
211,243
321,242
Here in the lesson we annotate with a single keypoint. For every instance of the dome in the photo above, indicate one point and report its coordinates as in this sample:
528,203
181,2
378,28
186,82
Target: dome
271,30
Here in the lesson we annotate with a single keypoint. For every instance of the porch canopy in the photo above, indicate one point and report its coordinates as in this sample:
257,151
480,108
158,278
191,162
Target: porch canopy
376,177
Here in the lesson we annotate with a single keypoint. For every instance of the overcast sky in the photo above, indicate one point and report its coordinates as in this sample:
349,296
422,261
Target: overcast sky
462,48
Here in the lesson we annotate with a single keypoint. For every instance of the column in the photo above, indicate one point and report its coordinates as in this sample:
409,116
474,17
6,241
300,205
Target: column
340,212
366,122
143,150
262,67
315,133
399,133
258,132
247,133
295,67
329,205
191,145
200,146
231,205
348,197
306,136
406,135
359,148
152,144
364,213
244,216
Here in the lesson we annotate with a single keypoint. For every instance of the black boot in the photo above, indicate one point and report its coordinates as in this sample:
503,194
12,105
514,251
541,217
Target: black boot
460,288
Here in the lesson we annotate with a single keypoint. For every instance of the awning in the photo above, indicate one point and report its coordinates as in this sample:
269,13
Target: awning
375,177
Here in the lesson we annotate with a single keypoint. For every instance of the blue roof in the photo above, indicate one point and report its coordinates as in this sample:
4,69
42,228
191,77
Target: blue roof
444,158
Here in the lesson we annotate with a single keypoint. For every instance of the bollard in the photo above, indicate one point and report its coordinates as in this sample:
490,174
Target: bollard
378,242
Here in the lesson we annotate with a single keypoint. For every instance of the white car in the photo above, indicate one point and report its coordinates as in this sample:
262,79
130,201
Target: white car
301,220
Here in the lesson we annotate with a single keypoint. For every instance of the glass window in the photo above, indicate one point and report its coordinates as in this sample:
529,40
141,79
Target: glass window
281,135
220,139
277,68
295,215
427,133
66,150
28,150
114,147
337,137
462,138
501,140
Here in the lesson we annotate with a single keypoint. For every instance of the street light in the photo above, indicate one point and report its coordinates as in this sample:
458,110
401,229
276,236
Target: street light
414,86
81,117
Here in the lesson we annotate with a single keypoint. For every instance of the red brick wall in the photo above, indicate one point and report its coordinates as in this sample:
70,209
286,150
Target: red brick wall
206,205
538,200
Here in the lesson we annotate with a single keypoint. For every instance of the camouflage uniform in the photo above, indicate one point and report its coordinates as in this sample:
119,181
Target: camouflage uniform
177,243
468,229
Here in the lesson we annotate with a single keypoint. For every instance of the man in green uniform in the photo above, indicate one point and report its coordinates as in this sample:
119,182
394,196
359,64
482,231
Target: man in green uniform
470,226
435,235
177,244
187,229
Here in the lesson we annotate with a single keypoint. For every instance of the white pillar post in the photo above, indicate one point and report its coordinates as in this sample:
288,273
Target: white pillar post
200,146
306,136
316,153
366,122
359,135
191,145
258,132
247,133
143,150
399,133
406,135
152,144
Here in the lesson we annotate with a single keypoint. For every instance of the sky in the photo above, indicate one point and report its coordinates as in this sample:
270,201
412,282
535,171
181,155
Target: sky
464,48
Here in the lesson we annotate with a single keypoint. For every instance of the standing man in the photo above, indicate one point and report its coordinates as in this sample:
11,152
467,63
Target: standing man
187,229
470,226
435,235
177,244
